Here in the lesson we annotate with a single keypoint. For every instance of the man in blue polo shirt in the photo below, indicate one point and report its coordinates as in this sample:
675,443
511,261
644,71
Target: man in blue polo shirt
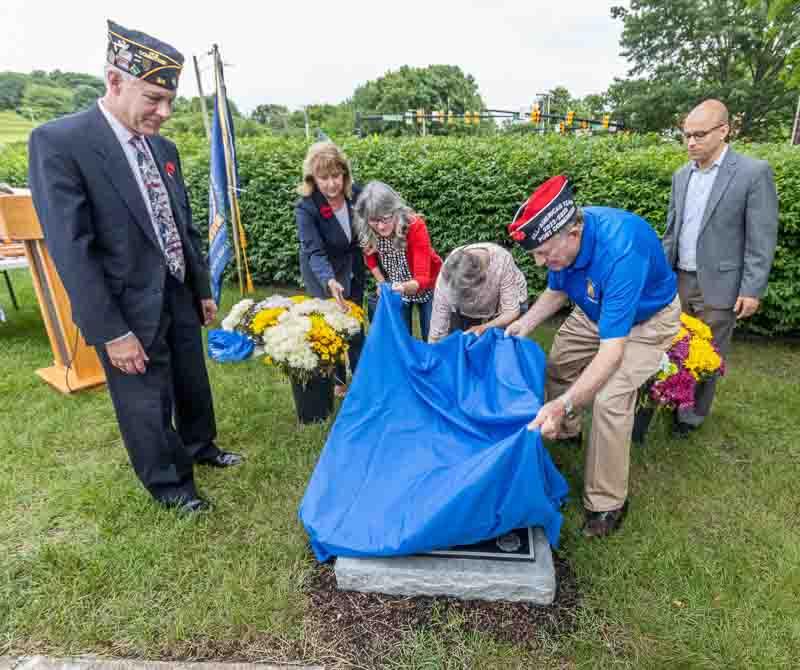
610,263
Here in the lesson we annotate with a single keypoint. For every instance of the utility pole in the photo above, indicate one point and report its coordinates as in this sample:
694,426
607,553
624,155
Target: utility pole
203,109
545,98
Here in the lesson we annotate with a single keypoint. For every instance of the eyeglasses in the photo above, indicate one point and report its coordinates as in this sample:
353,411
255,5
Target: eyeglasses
381,219
701,134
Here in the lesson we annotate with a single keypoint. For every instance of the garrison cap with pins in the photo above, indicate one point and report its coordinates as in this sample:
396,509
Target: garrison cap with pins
548,210
143,56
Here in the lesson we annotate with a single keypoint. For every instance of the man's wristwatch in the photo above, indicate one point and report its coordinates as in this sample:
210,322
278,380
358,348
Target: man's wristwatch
569,410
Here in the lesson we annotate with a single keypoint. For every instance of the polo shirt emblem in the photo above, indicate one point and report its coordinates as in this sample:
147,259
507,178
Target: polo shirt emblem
590,290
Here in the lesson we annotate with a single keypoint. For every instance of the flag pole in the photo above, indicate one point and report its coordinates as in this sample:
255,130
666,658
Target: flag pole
203,109
222,114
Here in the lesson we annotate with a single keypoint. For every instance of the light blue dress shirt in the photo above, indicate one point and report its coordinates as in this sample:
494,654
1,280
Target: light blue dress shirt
700,184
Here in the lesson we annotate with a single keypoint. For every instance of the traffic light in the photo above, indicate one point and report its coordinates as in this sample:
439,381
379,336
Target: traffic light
561,127
606,120
536,114
570,117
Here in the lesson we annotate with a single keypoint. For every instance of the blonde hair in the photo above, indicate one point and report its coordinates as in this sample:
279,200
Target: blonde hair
325,158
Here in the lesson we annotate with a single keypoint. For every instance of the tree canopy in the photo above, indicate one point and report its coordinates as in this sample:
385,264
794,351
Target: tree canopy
44,95
436,87
743,52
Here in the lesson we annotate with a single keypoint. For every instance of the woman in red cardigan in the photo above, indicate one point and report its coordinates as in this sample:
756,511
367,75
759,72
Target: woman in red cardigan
397,249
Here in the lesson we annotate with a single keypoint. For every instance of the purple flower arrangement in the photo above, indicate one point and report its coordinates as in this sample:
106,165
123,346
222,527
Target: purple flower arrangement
692,358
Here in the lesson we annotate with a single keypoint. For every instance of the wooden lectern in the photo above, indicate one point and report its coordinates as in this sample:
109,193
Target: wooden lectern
76,365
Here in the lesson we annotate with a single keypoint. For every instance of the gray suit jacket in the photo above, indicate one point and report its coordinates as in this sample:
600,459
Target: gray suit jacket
738,233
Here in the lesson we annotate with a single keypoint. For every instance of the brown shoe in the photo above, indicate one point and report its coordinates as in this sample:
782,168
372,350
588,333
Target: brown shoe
600,524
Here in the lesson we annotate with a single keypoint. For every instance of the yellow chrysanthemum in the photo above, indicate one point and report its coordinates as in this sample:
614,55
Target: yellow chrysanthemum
702,360
266,318
681,334
696,326
297,299
324,340
356,311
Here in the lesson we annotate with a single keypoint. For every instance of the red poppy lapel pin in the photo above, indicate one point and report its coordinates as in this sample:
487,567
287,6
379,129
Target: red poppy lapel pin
326,211
170,168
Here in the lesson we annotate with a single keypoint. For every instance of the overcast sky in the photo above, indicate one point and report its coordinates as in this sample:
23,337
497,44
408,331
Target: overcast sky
297,52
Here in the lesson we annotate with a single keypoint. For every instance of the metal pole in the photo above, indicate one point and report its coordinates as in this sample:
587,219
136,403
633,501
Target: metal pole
305,114
203,109
795,138
222,112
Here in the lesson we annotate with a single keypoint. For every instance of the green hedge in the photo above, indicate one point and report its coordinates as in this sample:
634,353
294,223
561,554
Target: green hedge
468,189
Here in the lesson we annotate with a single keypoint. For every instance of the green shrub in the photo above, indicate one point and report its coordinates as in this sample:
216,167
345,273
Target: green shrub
469,188
14,164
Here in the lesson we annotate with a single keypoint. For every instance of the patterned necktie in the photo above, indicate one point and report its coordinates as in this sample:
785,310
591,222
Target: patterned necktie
162,210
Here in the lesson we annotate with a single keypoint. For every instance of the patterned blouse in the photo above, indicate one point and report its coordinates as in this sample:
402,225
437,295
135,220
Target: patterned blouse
395,264
503,291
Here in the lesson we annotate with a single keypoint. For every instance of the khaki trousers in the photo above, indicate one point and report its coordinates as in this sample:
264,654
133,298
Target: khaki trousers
608,453
722,323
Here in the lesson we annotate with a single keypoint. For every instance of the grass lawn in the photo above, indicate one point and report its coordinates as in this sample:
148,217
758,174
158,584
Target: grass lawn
14,127
706,573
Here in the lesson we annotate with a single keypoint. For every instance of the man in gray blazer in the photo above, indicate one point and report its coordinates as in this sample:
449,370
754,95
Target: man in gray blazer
722,227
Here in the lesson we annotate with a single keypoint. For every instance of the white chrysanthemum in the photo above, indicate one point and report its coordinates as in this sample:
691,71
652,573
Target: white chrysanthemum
276,301
314,305
343,323
286,342
663,366
230,322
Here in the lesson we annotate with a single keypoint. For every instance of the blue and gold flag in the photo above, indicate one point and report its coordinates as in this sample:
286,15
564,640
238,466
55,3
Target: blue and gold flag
225,231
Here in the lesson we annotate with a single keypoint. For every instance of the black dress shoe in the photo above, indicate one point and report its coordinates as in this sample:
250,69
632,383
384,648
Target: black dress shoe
601,524
187,505
223,459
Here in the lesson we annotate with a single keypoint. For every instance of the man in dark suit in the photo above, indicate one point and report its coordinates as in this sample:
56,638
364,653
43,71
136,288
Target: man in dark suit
110,195
722,228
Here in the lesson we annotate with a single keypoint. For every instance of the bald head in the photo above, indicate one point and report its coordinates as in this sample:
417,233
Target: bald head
705,130
711,112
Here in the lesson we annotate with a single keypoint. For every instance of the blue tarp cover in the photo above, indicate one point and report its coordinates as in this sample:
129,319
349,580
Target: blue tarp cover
430,448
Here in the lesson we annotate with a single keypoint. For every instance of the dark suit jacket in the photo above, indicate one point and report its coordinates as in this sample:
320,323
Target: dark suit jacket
738,233
325,251
98,229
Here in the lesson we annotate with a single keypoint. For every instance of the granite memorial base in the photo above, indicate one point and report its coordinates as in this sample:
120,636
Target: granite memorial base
516,567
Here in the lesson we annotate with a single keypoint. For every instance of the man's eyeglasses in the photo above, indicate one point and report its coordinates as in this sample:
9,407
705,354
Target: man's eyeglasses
701,134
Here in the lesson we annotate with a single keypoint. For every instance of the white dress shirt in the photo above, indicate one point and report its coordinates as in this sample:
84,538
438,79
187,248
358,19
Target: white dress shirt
124,137
697,193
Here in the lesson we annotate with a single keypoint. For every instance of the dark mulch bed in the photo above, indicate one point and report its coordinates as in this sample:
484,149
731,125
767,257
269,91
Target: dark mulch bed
365,627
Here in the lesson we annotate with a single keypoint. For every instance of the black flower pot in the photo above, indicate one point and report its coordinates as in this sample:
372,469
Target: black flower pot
641,422
314,399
